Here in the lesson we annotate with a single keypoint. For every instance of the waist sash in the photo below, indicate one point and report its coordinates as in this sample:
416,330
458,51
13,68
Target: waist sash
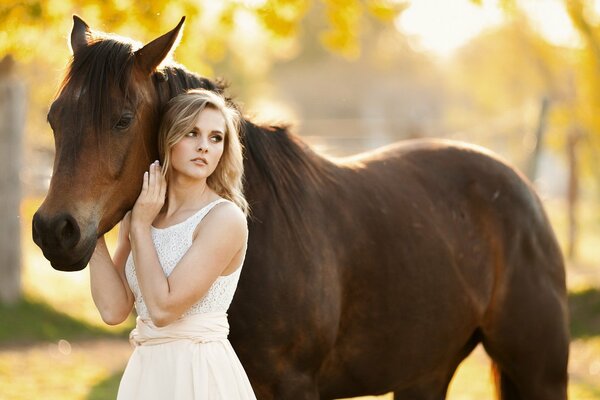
198,328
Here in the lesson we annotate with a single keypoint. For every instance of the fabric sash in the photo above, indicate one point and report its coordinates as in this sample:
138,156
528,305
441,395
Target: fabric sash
198,328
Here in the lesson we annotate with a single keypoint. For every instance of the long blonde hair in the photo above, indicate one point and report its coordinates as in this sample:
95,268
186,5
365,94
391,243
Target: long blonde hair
180,117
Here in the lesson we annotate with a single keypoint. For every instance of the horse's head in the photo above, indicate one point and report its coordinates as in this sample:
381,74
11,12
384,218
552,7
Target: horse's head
105,123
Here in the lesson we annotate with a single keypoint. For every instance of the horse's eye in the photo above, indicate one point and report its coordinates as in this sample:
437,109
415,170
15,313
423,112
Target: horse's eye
124,121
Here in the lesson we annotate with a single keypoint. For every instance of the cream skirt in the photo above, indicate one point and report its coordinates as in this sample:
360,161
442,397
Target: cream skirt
188,359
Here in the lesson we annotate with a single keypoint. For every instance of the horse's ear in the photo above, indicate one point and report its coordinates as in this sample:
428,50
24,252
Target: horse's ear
151,55
80,35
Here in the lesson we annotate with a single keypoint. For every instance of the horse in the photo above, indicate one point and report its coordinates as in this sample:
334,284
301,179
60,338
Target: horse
364,275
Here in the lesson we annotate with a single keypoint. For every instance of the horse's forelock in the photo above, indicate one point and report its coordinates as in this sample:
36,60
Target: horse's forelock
95,74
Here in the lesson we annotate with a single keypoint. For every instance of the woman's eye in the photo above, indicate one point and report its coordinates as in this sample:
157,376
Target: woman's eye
124,121
190,134
217,139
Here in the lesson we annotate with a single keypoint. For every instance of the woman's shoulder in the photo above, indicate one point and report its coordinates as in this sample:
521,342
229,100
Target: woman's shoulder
226,211
224,216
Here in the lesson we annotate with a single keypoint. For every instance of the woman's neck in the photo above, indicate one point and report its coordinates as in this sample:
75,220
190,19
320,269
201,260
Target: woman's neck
186,194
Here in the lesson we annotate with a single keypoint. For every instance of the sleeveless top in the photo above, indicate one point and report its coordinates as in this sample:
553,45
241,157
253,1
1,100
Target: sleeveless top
171,244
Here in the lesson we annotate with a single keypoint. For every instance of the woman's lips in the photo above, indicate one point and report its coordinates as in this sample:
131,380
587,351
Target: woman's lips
199,162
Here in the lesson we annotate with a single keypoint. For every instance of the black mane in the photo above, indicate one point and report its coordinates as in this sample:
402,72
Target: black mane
106,66
100,68
174,79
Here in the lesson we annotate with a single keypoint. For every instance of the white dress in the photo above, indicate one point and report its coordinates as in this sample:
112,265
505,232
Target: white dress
190,358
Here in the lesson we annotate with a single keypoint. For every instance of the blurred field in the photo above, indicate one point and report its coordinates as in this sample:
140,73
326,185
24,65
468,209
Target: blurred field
54,346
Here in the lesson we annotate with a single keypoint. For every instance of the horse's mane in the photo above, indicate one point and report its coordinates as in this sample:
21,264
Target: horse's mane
286,167
173,79
100,68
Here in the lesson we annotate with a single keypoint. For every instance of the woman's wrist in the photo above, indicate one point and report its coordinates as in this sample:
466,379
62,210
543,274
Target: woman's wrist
137,227
101,254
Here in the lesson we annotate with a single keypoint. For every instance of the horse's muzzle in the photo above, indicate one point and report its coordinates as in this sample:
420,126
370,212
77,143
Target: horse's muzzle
60,239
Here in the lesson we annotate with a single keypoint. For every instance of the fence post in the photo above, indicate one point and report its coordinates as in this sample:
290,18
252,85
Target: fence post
12,124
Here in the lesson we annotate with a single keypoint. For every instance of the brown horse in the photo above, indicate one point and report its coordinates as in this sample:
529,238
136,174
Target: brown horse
374,274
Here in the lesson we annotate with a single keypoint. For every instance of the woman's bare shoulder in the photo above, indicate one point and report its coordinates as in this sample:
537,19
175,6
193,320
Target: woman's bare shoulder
225,216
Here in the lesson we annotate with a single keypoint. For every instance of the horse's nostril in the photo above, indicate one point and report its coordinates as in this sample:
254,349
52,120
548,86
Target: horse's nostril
67,232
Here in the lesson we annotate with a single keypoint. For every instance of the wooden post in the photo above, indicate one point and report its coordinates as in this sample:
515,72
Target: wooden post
531,170
12,123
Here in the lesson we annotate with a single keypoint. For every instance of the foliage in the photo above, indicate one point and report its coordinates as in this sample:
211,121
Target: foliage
521,67
34,24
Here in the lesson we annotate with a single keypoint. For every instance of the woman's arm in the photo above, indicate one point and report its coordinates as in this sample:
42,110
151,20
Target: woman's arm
222,235
110,289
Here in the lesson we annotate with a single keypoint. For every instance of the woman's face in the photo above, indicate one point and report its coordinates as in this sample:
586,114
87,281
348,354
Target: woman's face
198,152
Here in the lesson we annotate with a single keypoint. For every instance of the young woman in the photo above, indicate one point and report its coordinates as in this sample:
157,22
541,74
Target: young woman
179,258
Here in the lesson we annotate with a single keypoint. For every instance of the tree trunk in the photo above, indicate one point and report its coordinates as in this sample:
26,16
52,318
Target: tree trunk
539,139
12,123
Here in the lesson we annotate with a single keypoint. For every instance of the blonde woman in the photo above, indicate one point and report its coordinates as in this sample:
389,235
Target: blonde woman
179,259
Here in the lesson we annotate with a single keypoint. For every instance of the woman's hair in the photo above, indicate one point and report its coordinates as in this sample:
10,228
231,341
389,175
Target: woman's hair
180,117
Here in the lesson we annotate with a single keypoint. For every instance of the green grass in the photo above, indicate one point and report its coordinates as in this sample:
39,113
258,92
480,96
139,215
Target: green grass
106,389
585,313
31,321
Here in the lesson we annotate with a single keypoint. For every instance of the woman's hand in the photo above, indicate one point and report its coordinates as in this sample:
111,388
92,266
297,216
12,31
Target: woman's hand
151,198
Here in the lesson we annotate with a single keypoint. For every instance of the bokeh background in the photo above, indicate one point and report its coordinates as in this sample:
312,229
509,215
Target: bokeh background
521,77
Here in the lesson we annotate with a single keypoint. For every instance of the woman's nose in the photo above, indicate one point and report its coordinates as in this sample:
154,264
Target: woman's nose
202,145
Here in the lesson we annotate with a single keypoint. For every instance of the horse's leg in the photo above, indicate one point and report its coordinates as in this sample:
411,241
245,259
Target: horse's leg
431,390
293,385
428,391
436,388
525,330
285,382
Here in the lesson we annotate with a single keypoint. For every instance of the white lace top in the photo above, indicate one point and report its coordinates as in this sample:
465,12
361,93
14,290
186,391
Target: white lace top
171,244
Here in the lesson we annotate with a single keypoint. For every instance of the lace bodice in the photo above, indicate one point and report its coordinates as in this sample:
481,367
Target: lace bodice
171,244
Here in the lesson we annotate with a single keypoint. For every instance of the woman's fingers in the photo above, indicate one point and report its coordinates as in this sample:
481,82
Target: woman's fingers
145,182
163,185
154,185
152,180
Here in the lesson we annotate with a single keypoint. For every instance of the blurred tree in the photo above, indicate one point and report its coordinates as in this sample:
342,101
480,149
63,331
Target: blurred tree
570,77
240,39
40,24
502,84
584,95
12,121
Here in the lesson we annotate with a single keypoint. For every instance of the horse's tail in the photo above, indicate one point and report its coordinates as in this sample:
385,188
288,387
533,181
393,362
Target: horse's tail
505,387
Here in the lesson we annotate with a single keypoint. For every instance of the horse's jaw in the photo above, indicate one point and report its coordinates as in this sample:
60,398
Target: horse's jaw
77,266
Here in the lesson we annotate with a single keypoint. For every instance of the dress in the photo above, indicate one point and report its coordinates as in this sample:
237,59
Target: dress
190,358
